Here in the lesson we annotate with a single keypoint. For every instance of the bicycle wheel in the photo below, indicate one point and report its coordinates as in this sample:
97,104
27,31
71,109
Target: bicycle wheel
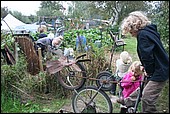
69,78
104,75
91,100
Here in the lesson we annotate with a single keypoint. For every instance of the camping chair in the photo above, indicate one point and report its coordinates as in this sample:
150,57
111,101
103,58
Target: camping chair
118,42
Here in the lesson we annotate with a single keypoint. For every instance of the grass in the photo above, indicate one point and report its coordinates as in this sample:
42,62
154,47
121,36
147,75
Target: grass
10,105
131,47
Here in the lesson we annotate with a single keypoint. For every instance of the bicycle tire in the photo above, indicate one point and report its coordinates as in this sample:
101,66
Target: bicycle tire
104,75
100,104
69,72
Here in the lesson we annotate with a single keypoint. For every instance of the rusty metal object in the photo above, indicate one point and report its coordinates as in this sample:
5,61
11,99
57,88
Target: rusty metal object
54,66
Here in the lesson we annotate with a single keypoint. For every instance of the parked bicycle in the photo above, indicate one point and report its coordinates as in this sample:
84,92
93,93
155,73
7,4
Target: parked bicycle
72,79
73,76
91,99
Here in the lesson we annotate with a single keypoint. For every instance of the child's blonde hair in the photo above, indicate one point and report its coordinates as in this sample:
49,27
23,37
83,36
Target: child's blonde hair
136,65
135,21
125,57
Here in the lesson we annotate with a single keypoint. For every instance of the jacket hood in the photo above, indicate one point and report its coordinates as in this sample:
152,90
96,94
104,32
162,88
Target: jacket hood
152,27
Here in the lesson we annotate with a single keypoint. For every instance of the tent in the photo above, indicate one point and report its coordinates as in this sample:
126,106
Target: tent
11,21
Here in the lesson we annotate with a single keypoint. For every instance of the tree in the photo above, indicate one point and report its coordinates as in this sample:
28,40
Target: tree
79,9
4,11
50,8
117,10
160,16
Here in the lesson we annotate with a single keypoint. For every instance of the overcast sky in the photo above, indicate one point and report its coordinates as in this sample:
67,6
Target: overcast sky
25,7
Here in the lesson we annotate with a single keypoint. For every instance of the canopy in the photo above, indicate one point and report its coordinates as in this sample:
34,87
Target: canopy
11,21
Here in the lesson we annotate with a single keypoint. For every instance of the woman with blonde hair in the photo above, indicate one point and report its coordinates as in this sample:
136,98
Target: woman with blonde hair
153,57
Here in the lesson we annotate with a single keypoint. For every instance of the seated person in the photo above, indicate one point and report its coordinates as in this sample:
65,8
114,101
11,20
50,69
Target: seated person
134,73
122,65
130,82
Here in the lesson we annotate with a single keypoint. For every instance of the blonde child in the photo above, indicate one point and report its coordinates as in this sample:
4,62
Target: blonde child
131,80
122,65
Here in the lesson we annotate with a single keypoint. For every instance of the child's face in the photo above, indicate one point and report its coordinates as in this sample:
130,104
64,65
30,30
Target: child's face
136,73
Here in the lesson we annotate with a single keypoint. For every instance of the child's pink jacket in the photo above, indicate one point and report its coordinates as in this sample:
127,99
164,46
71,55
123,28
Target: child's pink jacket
129,87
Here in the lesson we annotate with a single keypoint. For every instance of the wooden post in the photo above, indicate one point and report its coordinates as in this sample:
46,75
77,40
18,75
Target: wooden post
16,51
40,59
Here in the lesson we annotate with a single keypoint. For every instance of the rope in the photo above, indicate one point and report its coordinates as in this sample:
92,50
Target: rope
8,26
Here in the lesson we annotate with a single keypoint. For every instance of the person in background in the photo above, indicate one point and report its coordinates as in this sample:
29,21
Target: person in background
50,35
46,42
123,63
59,28
42,34
153,57
122,66
81,43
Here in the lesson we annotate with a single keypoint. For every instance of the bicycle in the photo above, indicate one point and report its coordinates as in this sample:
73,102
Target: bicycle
66,68
71,78
91,99
70,71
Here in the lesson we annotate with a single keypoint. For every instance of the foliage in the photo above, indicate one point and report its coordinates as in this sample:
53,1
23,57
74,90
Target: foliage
7,39
15,81
116,10
161,18
4,12
50,8
13,105
163,101
79,9
21,17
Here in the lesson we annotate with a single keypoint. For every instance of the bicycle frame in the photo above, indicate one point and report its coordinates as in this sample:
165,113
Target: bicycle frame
111,57
140,94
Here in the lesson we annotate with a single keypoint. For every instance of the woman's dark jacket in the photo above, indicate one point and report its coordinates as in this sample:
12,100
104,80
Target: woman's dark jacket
152,53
